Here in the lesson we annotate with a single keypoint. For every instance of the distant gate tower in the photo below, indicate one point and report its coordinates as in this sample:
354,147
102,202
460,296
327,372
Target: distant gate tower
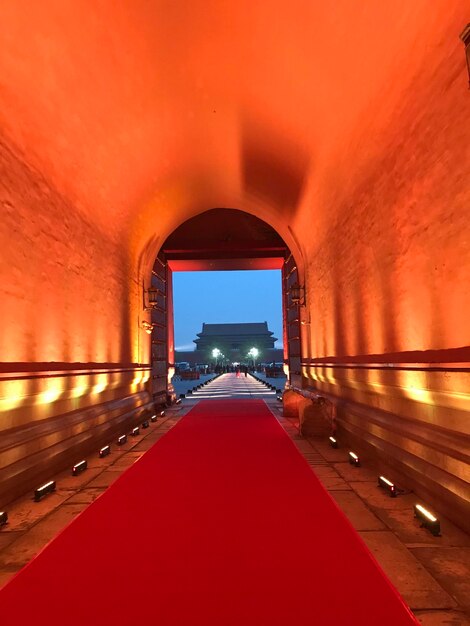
235,340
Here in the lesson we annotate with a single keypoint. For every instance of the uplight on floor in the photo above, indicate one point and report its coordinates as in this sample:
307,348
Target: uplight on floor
45,489
104,451
428,520
354,459
78,468
386,484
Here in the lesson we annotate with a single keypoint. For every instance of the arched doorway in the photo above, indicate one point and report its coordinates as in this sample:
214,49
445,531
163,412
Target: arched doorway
220,239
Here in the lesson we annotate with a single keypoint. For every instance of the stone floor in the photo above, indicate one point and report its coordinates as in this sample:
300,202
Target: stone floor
431,573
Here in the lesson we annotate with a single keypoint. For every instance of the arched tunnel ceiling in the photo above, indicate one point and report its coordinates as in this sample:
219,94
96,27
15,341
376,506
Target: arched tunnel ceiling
135,109
222,239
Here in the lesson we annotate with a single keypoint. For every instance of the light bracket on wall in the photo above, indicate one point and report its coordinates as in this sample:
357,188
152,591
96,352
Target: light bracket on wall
297,294
465,37
151,296
147,326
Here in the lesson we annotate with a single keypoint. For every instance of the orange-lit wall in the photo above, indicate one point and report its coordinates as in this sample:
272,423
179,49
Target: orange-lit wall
345,129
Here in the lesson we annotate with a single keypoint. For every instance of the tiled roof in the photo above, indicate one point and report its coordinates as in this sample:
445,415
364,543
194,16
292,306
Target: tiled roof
256,328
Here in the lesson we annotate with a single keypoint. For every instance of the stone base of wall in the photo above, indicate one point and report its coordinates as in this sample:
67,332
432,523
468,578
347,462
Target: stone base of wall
49,446
421,446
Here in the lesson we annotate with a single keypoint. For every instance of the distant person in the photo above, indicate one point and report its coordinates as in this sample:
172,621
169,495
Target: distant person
245,370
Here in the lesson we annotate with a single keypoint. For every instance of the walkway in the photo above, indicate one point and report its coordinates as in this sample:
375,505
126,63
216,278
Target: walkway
431,573
230,386
194,534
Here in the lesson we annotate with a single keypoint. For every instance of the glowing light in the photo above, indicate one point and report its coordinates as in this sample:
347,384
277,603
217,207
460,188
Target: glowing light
333,442
79,391
78,468
3,518
147,326
105,450
426,513
101,384
354,459
216,352
40,492
51,393
14,392
428,520
253,352
388,485
122,440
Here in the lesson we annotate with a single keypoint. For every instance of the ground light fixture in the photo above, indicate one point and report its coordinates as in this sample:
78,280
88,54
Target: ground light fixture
428,520
387,485
162,413
105,450
122,440
354,459
78,468
3,518
153,418
145,424
178,401
42,491
333,442
135,431
279,398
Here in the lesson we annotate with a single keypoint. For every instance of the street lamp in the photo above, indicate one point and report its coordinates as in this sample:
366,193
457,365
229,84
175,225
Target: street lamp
253,353
215,354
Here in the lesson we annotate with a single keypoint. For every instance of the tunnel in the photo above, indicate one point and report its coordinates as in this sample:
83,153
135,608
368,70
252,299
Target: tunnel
328,141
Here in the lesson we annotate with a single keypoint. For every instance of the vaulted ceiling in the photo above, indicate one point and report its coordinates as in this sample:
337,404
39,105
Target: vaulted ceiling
136,109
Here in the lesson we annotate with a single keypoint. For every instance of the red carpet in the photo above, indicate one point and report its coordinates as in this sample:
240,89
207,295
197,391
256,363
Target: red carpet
221,523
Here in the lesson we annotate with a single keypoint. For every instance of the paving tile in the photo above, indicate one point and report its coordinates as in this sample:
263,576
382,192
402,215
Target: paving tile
332,455
451,568
85,496
443,618
105,479
356,511
333,484
74,483
7,538
355,474
417,587
103,463
126,461
408,529
377,497
330,478
144,445
32,541
25,512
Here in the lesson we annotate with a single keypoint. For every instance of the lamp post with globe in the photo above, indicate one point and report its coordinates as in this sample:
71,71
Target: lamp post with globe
216,353
253,353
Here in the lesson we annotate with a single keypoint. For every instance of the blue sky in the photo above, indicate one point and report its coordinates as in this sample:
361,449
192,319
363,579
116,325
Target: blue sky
225,297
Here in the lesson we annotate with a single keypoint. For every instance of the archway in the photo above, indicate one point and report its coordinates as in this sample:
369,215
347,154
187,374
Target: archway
220,239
